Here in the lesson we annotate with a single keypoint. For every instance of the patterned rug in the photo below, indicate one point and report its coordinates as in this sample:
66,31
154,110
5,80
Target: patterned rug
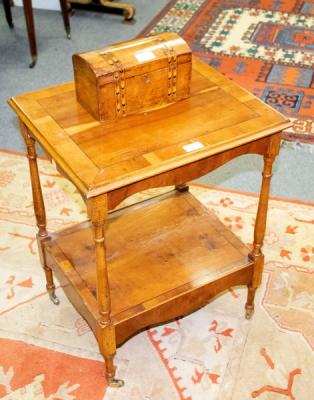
267,46
48,352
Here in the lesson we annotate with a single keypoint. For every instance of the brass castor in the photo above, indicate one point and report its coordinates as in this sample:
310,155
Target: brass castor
33,63
54,299
249,311
115,383
68,32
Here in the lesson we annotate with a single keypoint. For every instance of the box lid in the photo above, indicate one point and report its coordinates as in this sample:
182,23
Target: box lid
136,57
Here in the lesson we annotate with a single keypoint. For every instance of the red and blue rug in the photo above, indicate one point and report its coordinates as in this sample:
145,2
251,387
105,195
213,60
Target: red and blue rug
267,46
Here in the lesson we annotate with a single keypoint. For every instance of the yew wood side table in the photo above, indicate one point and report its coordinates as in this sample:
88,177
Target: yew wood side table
164,257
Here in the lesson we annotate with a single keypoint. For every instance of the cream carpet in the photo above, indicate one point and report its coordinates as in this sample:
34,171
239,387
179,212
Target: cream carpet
48,352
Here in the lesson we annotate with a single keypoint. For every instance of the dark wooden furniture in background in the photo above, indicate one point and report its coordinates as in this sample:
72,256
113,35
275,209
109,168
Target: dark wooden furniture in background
7,4
126,9
161,258
28,11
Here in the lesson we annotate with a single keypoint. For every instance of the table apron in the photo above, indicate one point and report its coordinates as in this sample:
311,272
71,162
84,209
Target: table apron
190,171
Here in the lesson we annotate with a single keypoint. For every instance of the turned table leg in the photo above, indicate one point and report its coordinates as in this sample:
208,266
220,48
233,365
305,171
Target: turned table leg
29,18
39,208
97,212
260,225
65,17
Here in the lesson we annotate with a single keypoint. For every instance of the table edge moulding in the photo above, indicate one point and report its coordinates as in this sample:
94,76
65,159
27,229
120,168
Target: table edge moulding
124,270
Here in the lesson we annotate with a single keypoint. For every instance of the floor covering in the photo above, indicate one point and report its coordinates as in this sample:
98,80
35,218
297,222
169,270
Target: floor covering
48,352
264,45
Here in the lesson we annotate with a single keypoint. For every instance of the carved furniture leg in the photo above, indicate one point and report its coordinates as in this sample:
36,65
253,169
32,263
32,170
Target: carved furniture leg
128,9
28,12
39,208
65,16
260,225
97,212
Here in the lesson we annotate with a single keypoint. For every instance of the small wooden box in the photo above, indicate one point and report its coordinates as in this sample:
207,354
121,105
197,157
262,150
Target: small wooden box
133,76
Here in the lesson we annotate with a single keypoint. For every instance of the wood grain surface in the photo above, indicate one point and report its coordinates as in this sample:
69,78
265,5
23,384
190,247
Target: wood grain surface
159,259
133,76
100,157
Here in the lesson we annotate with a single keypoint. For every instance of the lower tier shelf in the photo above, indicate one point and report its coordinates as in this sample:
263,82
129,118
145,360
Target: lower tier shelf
159,252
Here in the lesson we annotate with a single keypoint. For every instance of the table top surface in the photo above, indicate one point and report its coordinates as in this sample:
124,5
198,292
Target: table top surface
102,156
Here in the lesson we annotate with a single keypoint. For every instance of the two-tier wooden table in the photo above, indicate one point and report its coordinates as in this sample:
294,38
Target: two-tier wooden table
166,256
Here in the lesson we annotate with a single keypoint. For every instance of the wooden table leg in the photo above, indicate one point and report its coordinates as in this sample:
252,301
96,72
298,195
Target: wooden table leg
97,212
7,11
28,12
39,209
260,225
65,16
